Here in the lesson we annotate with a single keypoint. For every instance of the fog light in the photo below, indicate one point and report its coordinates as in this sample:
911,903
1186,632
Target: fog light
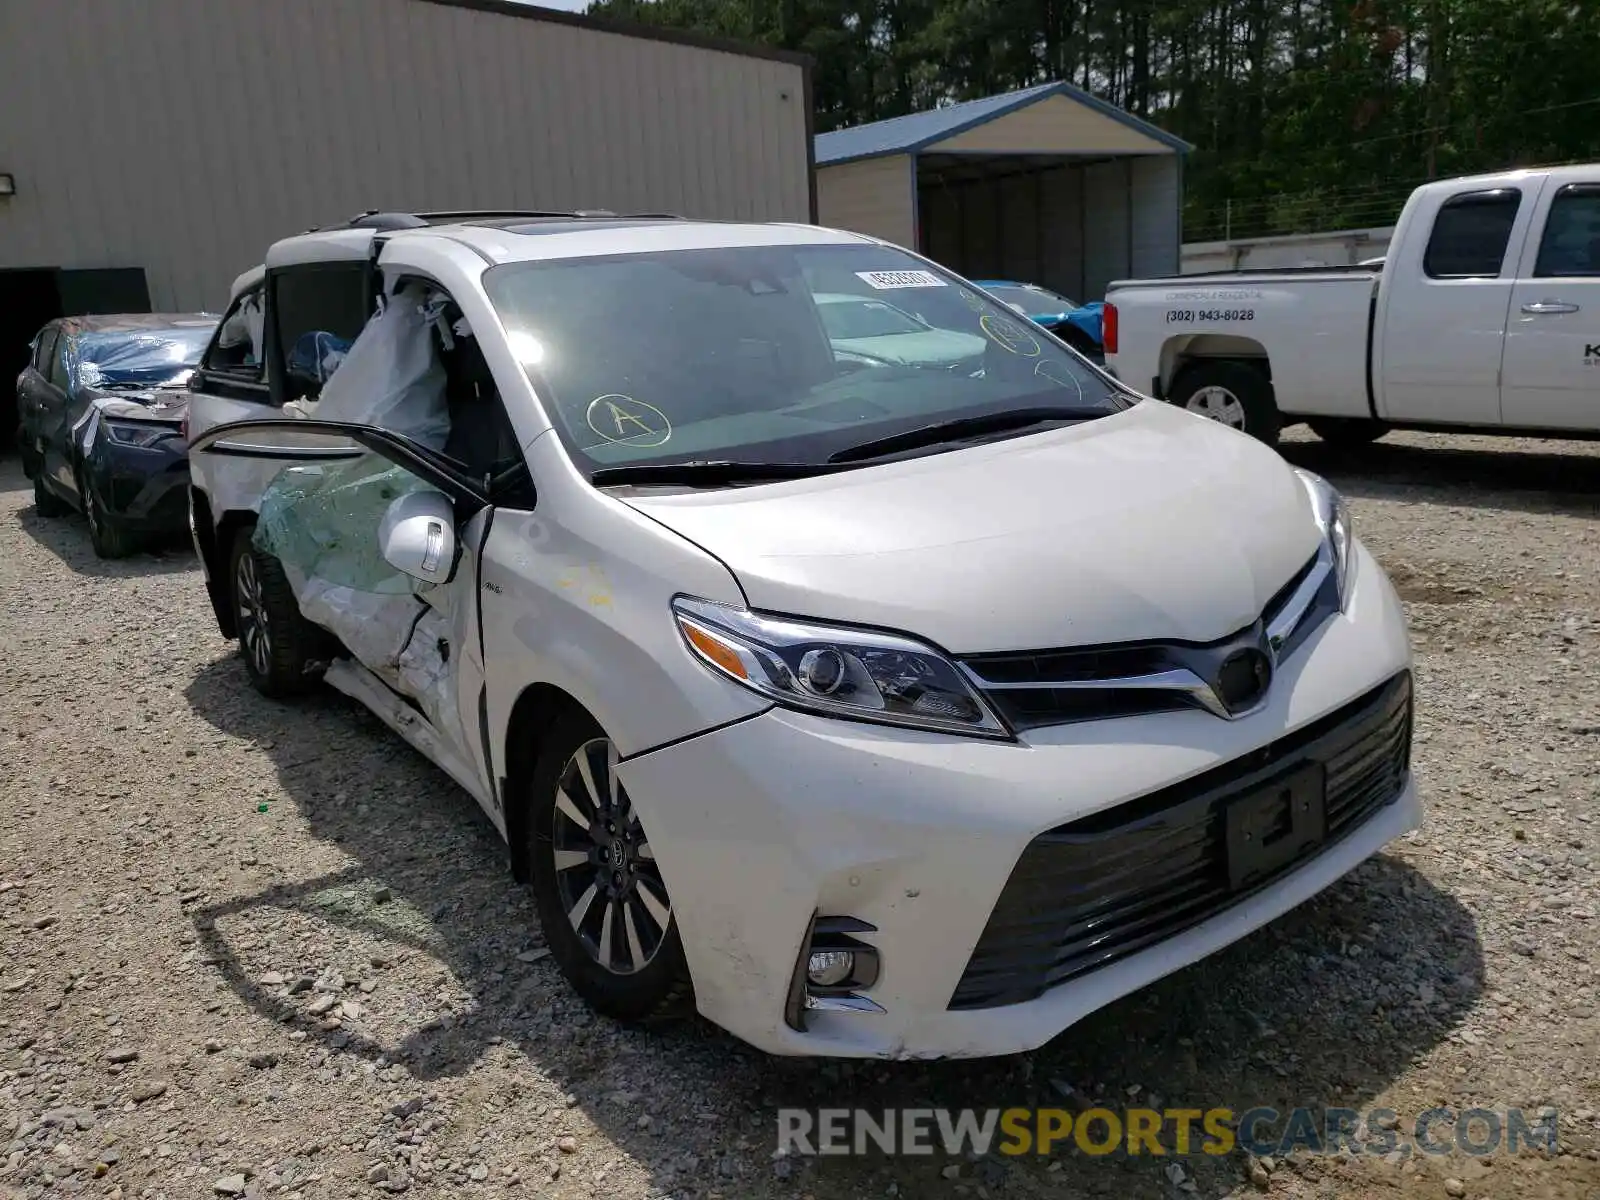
830,968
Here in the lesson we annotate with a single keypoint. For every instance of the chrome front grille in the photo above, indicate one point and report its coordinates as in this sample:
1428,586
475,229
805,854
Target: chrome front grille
1228,678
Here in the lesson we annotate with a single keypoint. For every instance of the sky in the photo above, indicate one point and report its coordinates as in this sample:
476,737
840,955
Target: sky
566,5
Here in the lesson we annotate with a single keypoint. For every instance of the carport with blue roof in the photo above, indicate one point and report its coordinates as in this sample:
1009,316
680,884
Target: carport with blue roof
1048,184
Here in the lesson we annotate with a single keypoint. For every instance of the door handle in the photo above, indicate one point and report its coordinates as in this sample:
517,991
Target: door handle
1542,308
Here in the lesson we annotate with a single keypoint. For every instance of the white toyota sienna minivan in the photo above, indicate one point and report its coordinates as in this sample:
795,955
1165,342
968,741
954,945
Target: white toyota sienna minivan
836,652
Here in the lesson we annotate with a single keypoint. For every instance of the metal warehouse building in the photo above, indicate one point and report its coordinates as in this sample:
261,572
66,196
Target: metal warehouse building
151,150
1048,185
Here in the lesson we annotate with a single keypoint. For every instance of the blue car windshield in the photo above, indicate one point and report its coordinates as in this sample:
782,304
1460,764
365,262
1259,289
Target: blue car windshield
145,357
770,353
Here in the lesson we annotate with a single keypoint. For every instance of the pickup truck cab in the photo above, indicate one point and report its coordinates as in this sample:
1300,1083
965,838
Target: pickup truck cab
1484,315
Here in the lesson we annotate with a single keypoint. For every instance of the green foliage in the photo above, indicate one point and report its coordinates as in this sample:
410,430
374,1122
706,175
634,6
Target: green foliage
1305,114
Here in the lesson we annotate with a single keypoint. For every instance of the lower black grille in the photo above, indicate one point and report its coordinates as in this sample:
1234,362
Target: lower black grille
1106,886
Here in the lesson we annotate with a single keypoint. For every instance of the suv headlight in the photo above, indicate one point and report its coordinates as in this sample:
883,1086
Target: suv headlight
136,433
1334,520
840,672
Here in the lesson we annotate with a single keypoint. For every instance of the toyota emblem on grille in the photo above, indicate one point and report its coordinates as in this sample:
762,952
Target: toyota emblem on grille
1243,679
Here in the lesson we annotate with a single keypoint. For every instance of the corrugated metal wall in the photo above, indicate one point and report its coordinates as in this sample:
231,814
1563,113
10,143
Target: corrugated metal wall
183,136
872,196
1072,228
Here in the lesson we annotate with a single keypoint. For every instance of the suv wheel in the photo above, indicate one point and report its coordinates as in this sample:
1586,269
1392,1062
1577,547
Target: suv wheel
601,899
109,539
1232,393
45,502
275,641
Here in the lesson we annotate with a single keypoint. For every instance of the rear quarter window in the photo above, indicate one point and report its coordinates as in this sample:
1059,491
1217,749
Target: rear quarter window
1470,235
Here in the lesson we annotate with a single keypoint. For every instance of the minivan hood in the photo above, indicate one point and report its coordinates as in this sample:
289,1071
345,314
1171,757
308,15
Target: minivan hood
1152,523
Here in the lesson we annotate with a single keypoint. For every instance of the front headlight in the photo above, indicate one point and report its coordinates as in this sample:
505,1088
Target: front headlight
136,433
1334,520
859,674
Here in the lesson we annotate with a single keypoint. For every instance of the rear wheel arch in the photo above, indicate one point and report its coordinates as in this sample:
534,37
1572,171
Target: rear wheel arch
1178,353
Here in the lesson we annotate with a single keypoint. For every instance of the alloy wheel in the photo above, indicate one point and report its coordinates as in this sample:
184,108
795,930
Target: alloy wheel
252,615
91,511
1219,404
605,872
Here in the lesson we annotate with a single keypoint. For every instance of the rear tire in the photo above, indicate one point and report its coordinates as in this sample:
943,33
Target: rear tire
1347,433
602,909
1235,394
277,644
45,502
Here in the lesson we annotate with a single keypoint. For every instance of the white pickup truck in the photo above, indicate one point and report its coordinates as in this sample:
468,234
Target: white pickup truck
1483,316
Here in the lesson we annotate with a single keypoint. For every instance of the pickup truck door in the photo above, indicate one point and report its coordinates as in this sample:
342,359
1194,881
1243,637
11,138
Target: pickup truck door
1551,374
1446,287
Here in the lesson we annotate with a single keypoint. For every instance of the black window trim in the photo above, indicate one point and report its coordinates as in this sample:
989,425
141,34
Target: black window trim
428,465
44,348
62,343
233,376
1462,200
1581,188
272,351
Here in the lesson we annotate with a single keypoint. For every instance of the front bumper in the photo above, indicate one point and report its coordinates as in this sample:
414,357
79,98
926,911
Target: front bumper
143,488
761,825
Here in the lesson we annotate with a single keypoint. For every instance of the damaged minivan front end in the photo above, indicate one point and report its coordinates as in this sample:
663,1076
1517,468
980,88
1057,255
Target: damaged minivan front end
887,694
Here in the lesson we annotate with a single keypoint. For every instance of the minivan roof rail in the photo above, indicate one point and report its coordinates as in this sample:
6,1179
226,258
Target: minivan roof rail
382,220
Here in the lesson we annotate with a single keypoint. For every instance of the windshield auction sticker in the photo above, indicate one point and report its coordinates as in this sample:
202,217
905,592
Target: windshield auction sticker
619,418
889,280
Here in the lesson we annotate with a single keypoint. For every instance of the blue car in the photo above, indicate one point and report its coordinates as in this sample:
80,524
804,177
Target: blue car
101,406
1076,324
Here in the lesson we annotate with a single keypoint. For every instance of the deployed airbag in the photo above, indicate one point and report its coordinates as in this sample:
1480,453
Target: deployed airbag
392,375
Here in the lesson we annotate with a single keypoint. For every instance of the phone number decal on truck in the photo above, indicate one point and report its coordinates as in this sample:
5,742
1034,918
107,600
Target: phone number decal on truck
1178,315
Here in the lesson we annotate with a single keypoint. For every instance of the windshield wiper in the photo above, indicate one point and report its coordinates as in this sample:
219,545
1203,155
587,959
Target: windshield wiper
964,427
707,472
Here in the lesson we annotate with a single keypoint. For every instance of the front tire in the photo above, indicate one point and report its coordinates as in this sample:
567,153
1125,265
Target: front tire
109,539
1347,433
600,896
276,643
1235,394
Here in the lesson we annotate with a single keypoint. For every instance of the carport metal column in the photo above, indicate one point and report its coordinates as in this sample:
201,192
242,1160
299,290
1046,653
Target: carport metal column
914,171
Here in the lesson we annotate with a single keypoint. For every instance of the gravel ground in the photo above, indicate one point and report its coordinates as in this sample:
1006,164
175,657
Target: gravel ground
261,949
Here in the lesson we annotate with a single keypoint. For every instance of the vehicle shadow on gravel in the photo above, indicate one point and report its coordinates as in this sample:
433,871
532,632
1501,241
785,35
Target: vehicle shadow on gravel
1325,1007
68,539
1512,475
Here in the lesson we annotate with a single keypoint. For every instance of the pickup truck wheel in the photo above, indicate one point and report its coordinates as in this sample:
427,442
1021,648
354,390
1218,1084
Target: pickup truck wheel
602,902
1232,393
277,644
1347,432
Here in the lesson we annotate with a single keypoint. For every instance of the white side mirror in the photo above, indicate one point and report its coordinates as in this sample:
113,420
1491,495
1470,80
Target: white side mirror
418,536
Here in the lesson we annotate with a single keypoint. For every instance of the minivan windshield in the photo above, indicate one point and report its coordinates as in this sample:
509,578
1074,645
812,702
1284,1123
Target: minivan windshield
772,354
